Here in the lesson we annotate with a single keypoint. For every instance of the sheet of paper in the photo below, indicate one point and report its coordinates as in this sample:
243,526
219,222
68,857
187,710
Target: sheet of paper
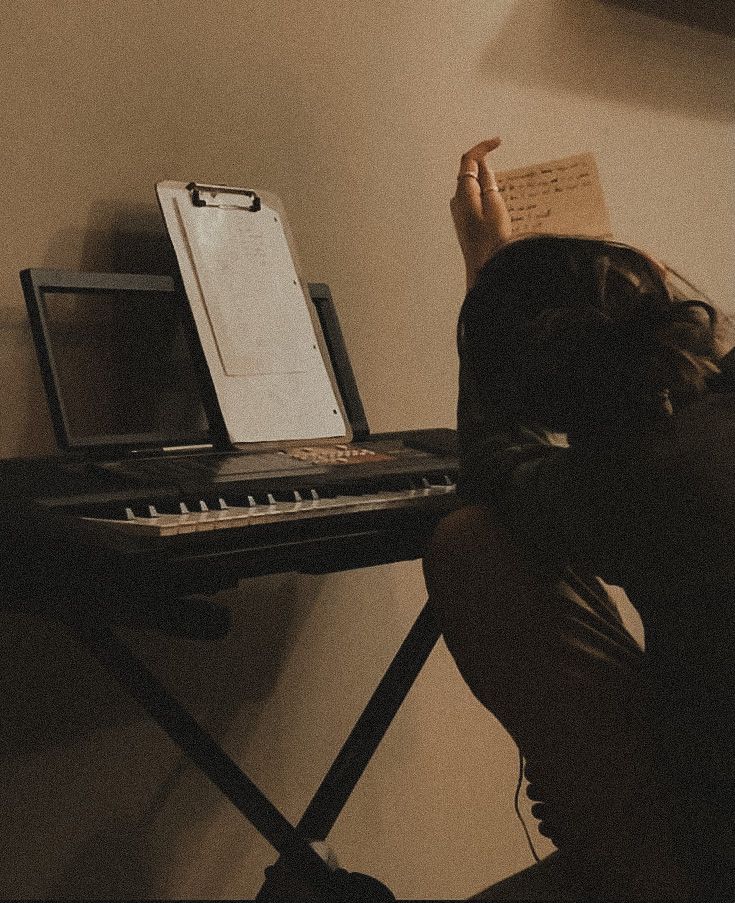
253,300
561,197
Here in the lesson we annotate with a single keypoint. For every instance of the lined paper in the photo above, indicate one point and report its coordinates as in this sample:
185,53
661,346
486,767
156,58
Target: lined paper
254,302
561,197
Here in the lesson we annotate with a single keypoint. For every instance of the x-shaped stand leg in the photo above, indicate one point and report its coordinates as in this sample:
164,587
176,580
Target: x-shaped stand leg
344,773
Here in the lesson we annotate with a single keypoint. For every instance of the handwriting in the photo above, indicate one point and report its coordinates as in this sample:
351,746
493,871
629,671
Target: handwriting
558,196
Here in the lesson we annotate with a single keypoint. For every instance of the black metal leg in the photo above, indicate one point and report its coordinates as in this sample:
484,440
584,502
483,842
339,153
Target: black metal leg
339,782
344,773
346,770
206,754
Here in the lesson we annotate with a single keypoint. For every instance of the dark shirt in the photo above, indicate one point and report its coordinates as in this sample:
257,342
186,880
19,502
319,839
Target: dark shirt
653,511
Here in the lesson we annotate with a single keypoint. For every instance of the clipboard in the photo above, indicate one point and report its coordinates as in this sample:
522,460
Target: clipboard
259,333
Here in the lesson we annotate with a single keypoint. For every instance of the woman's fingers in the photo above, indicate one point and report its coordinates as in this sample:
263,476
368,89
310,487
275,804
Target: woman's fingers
486,179
478,153
475,178
480,216
469,193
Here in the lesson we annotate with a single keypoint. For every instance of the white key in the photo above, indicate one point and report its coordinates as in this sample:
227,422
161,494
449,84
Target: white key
241,516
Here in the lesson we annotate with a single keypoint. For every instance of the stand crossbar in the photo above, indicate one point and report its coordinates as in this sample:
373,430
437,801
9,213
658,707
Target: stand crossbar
341,778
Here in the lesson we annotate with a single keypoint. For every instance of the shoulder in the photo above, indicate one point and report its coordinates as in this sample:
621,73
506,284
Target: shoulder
662,503
681,482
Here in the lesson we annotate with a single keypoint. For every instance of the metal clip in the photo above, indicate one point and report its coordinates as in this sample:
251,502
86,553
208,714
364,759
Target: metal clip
206,196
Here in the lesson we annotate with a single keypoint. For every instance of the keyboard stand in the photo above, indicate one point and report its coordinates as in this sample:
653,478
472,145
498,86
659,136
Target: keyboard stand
341,778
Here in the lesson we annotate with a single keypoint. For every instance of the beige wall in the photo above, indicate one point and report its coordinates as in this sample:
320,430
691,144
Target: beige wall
355,113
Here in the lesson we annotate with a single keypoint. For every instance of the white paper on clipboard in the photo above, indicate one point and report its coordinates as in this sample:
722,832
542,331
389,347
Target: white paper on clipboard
259,333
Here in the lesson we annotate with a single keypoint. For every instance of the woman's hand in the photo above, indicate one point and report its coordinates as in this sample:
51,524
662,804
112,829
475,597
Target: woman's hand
480,216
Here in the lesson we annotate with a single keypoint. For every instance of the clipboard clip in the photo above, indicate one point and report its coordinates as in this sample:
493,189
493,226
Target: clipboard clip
208,196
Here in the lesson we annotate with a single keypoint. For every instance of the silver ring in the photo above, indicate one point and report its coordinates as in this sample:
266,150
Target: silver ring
469,175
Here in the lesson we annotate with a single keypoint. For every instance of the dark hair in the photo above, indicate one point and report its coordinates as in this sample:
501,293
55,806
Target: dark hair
589,334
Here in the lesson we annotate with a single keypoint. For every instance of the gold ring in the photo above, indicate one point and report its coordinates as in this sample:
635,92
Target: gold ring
469,175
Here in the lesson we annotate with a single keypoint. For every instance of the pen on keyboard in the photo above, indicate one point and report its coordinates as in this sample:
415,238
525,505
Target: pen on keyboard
168,449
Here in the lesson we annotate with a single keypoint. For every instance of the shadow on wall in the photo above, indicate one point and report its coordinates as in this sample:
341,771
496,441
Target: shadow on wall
113,863
603,49
54,693
712,15
120,238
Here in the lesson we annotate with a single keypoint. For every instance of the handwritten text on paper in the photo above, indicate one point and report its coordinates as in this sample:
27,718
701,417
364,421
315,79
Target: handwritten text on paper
556,197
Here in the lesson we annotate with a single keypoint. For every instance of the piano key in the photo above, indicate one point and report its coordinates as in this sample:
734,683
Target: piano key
193,516
240,516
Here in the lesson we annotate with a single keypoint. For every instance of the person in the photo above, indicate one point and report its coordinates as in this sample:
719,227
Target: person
596,423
